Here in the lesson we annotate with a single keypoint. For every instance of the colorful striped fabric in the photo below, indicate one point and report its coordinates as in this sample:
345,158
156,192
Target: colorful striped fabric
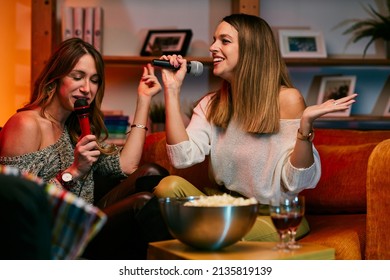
75,222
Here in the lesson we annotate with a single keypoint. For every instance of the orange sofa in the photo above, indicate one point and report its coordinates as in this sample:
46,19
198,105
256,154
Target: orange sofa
348,208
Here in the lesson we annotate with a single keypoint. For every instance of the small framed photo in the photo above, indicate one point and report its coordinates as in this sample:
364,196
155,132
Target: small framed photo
382,105
387,110
335,88
159,42
301,43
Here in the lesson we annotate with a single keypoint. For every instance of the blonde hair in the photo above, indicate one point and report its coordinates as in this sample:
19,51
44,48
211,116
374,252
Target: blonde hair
252,100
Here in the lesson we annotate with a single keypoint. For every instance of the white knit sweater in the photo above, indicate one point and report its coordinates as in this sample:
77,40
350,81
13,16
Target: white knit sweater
254,165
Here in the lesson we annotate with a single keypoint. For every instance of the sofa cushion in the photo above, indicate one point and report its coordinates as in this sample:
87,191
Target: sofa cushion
378,194
342,187
345,233
328,136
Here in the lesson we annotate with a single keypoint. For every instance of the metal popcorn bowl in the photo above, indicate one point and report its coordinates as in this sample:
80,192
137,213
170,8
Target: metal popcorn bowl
207,227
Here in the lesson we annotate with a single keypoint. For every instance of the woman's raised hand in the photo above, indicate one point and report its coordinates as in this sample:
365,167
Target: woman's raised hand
173,79
149,84
332,105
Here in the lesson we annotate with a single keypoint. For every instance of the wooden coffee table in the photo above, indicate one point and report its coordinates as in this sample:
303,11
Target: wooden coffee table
242,250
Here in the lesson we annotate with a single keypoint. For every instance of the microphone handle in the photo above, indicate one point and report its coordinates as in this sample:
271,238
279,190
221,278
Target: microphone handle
84,125
167,65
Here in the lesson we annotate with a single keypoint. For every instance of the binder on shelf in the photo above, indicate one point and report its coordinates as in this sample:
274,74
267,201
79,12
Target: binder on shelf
67,23
78,22
88,25
98,28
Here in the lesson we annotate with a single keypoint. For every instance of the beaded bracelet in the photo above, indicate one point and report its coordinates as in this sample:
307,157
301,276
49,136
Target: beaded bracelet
139,126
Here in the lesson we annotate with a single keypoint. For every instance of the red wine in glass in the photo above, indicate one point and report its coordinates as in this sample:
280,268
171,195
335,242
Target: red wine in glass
286,215
295,221
282,223
297,211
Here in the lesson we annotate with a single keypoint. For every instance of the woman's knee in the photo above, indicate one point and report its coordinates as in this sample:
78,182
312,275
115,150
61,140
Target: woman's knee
166,186
172,186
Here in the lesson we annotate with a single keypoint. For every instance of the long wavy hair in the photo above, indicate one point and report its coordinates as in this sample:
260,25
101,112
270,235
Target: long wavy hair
60,64
252,99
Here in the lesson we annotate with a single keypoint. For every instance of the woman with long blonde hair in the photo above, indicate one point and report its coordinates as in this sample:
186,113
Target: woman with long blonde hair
256,128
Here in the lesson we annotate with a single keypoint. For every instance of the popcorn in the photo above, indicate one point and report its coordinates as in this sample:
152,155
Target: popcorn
220,200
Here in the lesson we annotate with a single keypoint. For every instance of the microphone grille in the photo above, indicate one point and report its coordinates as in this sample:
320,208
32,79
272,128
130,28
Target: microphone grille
81,106
196,68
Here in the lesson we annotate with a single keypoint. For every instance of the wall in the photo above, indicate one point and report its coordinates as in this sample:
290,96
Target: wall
125,27
325,16
15,25
201,17
126,23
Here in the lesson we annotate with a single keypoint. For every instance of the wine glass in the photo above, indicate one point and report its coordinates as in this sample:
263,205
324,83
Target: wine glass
279,212
296,213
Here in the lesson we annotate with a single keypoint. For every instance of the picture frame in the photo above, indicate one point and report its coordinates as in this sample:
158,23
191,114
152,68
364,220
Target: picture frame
336,87
386,113
301,43
382,105
160,42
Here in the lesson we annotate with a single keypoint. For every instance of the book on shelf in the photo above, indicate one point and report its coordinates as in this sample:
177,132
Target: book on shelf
67,23
98,28
78,22
88,25
116,125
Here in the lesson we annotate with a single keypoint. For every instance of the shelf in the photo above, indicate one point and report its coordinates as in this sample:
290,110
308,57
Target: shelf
354,122
46,38
207,61
137,60
337,62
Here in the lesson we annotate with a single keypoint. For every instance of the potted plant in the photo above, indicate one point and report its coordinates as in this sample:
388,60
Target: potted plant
375,27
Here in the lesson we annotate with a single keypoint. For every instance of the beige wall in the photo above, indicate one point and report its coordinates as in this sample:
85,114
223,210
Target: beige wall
15,54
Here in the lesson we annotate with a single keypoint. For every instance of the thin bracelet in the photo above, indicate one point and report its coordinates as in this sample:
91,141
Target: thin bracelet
139,126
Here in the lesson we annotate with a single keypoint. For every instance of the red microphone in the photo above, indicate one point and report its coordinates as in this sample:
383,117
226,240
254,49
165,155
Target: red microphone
81,108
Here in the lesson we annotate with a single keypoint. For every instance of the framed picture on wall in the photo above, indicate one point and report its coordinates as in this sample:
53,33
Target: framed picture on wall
159,42
335,88
301,43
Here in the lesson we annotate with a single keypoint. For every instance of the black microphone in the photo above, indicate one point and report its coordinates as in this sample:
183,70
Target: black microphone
193,67
81,108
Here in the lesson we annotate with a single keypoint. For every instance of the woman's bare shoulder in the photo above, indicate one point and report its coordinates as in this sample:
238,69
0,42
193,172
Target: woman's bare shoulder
292,103
21,134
